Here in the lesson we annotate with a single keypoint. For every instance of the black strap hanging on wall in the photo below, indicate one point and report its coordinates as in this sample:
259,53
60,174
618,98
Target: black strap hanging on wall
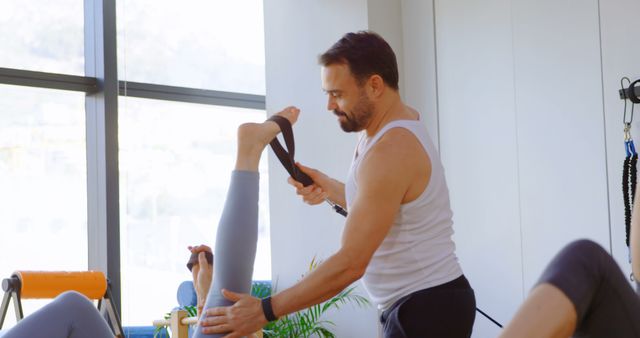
629,169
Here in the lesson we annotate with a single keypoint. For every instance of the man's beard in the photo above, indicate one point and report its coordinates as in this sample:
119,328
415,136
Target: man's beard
362,113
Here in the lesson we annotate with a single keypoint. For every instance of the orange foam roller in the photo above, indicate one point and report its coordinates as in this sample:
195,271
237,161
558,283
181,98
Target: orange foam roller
49,284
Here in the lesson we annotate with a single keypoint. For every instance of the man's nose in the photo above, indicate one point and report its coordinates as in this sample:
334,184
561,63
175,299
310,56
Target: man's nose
331,104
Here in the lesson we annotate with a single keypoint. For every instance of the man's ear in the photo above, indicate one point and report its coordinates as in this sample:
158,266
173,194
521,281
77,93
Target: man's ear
376,85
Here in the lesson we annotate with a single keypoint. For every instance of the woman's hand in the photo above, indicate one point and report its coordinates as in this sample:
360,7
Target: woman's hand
202,274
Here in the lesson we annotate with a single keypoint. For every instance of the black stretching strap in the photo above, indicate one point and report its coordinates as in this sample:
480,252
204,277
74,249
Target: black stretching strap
290,165
287,160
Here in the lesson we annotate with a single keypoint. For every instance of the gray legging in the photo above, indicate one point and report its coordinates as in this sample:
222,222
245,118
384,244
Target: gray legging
70,315
236,242
605,303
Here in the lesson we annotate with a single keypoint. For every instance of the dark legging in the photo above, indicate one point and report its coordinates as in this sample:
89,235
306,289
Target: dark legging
446,310
70,315
605,303
236,241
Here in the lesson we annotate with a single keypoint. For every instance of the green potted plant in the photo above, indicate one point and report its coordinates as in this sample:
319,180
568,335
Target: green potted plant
303,324
310,322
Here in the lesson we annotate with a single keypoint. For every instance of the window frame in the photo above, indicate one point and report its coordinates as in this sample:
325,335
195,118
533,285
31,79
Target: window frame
102,88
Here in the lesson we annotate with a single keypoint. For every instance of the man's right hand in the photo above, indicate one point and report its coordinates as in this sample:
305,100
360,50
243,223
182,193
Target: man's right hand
323,187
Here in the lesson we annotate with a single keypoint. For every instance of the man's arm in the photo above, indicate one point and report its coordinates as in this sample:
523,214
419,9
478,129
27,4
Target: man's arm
384,178
634,237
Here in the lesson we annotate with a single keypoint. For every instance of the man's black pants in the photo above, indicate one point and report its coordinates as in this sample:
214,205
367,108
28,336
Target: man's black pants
443,311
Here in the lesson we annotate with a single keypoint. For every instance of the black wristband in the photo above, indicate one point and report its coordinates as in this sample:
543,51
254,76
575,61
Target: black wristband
268,310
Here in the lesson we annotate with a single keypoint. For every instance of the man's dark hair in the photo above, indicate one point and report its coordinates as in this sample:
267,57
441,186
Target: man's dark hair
366,53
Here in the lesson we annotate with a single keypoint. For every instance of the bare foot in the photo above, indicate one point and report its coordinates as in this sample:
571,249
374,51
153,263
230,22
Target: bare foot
254,137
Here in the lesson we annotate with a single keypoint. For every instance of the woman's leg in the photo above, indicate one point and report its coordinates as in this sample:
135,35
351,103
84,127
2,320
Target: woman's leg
237,235
546,312
70,315
582,292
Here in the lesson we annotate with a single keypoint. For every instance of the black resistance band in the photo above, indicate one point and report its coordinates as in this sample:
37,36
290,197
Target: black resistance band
629,169
290,165
629,179
287,160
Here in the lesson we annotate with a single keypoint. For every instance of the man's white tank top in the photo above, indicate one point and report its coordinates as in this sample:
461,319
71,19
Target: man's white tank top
418,251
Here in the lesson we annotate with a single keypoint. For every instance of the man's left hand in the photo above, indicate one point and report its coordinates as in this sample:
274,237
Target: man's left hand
241,319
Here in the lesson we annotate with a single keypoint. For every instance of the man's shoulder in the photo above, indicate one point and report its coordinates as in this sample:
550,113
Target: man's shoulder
397,142
397,157
396,149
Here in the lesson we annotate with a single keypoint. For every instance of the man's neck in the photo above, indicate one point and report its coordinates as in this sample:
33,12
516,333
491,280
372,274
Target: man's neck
389,109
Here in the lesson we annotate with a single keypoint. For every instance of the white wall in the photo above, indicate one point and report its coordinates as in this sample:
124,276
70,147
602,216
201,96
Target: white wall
385,18
408,27
296,32
620,57
521,89
479,149
419,56
560,128
521,97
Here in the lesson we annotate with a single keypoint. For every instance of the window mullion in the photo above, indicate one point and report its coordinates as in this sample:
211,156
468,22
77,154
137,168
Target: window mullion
102,142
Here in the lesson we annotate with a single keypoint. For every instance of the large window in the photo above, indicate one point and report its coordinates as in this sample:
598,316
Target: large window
201,61
176,158
43,178
206,44
175,164
42,35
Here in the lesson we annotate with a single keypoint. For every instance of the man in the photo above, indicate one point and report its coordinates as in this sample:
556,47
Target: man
397,236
